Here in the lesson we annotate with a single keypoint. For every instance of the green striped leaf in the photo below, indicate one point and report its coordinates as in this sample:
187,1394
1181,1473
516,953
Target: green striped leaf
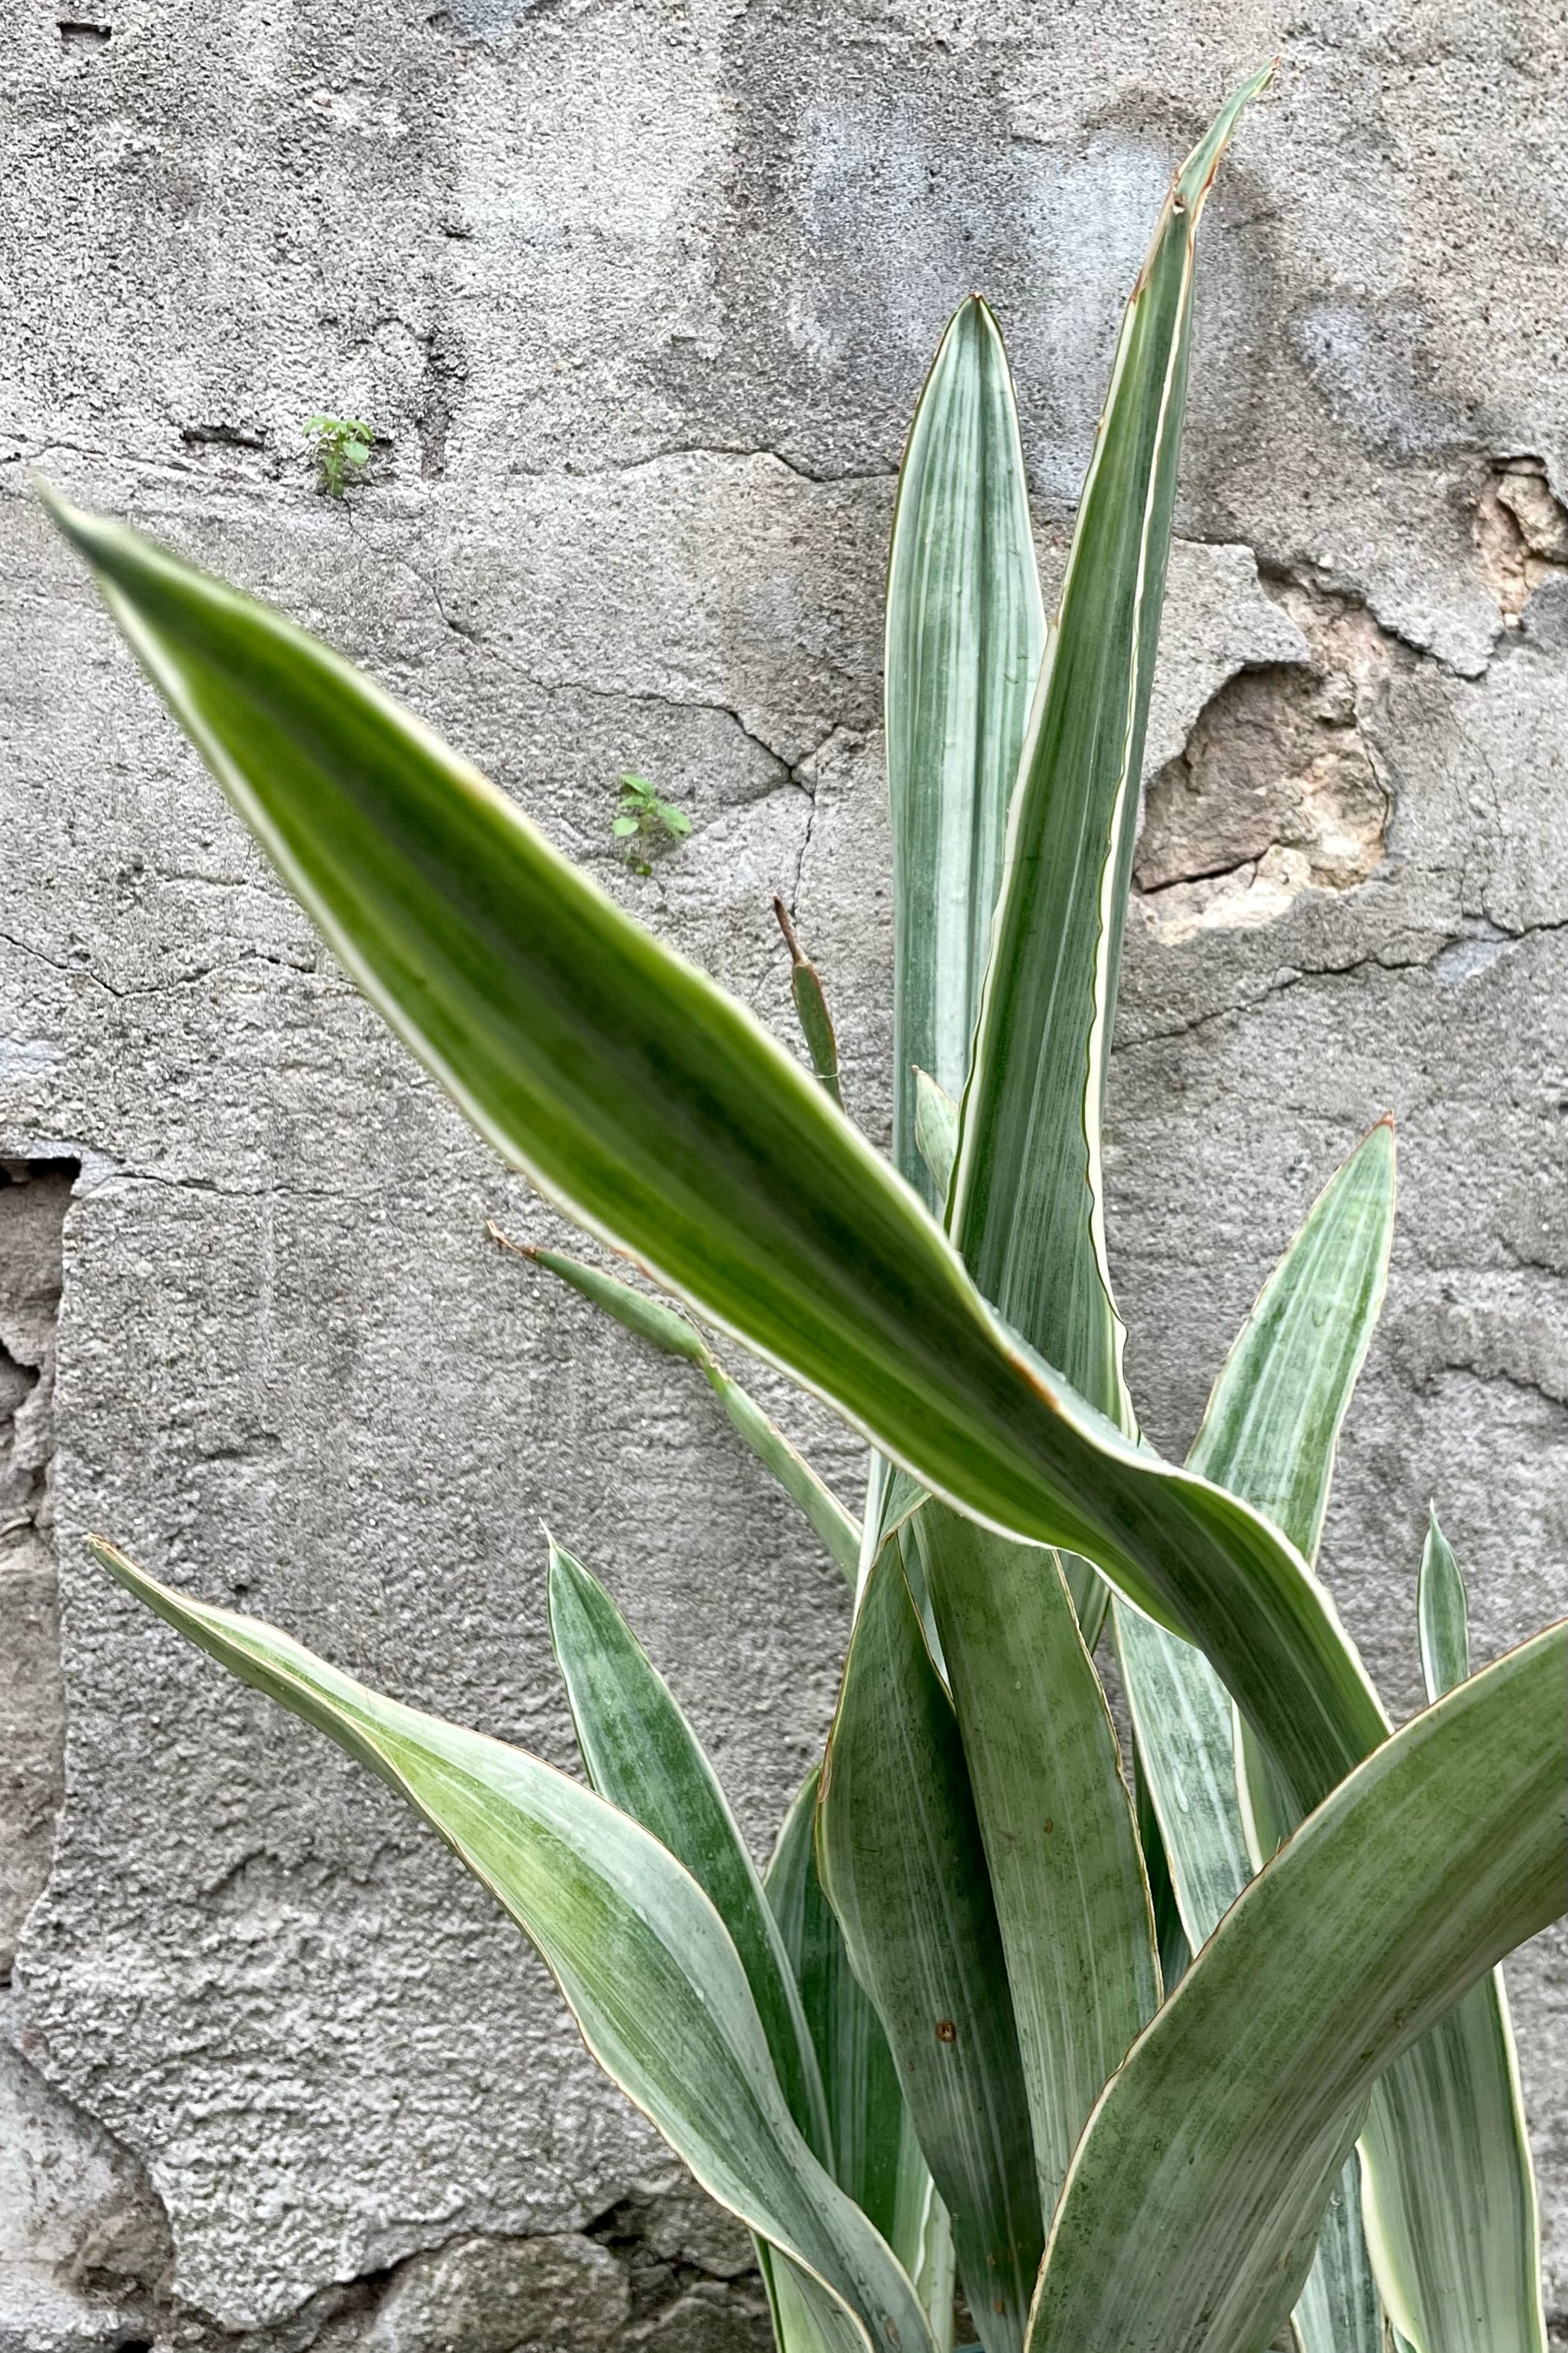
1273,1422
1027,1211
658,1112
1182,1731
1443,1614
1449,2189
664,1328
1062,1845
1025,1206
876,2157
1216,2147
645,1962
965,629
1339,2310
903,1866
642,1756
1270,1433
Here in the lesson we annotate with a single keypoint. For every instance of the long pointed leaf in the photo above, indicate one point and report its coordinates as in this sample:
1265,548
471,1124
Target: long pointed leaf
1214,2151
1270,1433
654,1321
904,1869
1457,2271
876,2157
663,1117
642,1756
1061,1846
1273,1421
1027,1203
965,629
642,1958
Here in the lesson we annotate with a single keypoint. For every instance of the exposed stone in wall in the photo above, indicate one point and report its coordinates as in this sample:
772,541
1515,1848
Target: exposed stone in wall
1520,533
1277,790
33,1195
86,2266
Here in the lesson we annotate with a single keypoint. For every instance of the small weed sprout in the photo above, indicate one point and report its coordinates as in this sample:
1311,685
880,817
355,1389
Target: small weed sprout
342,450
645,825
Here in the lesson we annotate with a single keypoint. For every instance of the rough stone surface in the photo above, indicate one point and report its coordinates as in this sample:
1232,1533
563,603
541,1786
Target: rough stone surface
637,295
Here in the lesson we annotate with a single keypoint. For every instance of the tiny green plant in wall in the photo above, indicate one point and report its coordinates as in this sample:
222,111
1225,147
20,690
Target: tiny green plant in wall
645,825
342,448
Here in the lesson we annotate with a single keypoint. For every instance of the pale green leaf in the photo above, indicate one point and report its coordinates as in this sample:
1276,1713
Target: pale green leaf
1182,1728
1216,2147
1062,1845
642,1756
1270,1433
1273,1420
1448,2190
903,1866
965,629
876,2157
1339,2310
641,1956
1026,1207
1443,1614
666,1328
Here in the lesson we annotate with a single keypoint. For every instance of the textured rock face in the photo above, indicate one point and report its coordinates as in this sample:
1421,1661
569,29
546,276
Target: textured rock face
637,295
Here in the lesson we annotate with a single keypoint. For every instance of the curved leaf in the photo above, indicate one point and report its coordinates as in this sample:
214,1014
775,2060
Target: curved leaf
642,1756
1270,1432
876,2157
642,1958
1215,2149
665,1328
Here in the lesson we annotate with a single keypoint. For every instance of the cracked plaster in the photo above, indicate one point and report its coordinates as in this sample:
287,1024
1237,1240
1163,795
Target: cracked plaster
638,296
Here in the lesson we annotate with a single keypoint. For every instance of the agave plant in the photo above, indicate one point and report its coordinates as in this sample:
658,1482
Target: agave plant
987,2010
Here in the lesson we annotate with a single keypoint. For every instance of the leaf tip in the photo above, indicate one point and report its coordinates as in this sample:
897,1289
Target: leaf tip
786,925
519,1250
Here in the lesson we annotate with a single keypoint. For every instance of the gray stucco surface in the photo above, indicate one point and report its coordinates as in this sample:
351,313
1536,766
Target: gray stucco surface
637,295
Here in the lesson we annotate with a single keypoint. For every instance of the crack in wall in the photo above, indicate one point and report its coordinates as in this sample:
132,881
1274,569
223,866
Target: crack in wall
1380,960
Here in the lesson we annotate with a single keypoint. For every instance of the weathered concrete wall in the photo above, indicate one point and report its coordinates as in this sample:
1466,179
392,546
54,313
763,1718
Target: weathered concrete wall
638,294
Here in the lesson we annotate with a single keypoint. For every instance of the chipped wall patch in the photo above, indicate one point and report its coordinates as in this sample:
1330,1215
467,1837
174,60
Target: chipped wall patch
1277,790
1520,534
